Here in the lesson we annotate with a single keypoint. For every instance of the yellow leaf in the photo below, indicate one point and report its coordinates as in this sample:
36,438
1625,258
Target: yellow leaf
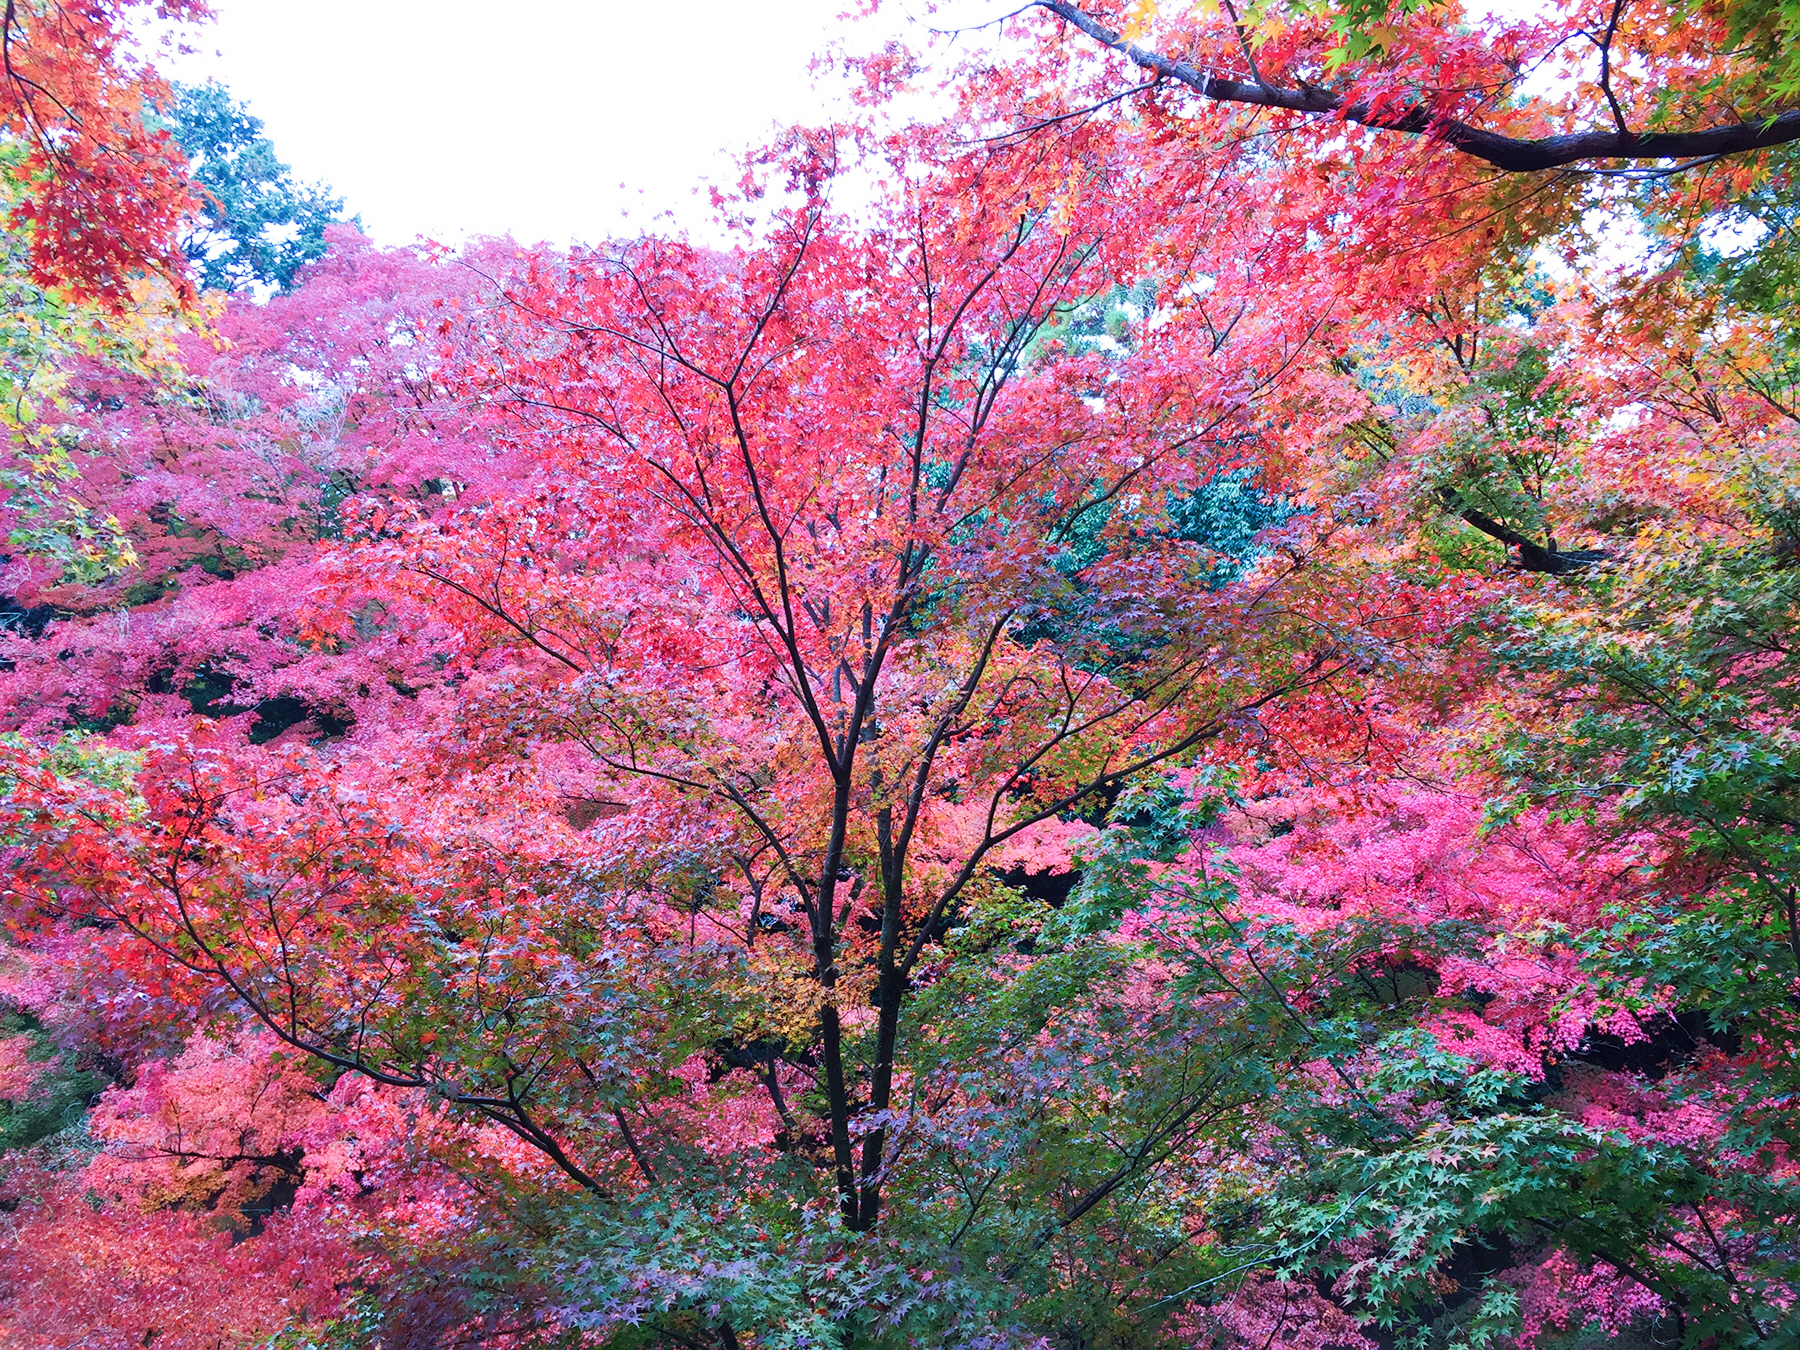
1138,18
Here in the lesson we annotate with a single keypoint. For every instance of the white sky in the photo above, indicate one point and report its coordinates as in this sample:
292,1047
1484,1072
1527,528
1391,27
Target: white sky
546,119
447,118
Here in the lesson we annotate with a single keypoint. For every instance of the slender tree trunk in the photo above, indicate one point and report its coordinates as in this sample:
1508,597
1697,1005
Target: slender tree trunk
889,992
824,921
838,1094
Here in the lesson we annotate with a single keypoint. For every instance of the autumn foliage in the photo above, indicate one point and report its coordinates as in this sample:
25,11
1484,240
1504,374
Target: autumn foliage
1138,716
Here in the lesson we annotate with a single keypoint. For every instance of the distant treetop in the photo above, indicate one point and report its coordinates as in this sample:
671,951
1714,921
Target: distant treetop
256,225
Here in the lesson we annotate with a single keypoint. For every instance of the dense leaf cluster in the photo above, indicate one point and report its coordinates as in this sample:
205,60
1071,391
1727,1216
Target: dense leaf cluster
1176,730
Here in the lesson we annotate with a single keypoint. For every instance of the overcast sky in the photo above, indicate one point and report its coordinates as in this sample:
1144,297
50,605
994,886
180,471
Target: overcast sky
544,118
453,117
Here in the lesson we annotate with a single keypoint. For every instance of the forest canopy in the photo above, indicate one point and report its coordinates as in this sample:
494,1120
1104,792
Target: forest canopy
1152,707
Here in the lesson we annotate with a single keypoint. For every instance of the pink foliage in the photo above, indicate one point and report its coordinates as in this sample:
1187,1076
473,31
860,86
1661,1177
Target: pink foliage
1557,1295
113,1277
219,1126
1419,859
1265,1313
18,1073
232,488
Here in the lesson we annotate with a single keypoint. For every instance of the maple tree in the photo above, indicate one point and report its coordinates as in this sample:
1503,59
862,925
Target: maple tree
1160,735
99,192
92,193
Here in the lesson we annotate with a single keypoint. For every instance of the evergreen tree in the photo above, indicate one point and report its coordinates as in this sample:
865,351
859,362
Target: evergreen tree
258,226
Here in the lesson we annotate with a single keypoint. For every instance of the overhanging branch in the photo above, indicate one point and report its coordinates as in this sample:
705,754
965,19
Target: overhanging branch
1510,153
